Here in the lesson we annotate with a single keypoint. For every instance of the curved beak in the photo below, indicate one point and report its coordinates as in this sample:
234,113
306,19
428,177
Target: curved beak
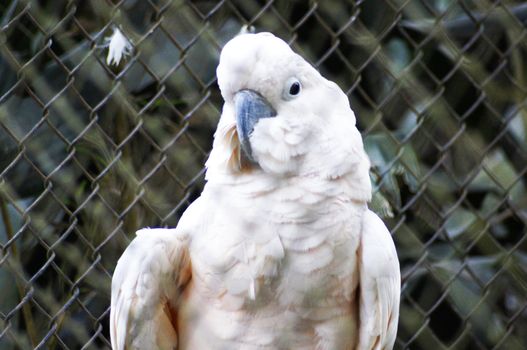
250,107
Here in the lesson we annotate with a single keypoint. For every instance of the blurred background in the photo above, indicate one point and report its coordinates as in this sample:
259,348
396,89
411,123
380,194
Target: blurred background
90,152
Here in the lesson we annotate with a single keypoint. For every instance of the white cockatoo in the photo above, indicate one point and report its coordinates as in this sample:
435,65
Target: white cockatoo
280,251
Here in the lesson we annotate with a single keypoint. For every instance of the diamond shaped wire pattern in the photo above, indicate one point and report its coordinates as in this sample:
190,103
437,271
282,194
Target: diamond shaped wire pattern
90,151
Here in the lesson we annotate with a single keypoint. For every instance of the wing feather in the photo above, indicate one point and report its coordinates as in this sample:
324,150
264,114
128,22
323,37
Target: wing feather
380,286
148,277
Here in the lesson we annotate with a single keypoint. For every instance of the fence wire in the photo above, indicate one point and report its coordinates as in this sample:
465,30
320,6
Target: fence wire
90,152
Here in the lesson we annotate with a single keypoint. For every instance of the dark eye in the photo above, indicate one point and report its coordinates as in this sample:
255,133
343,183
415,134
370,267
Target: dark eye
294,89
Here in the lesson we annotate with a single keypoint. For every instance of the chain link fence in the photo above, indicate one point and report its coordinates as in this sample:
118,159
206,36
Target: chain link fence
90,152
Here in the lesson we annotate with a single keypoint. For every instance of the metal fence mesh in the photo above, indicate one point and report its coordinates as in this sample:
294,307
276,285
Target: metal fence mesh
91,152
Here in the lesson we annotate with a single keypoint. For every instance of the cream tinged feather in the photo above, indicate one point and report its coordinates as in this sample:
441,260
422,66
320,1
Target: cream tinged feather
284,252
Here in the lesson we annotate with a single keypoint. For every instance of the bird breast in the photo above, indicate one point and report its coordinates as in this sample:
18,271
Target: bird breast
274,273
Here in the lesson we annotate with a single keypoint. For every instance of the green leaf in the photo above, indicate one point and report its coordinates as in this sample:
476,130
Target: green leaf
458,222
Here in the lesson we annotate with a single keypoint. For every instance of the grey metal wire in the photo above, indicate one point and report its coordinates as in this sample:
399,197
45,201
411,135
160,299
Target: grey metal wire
89,152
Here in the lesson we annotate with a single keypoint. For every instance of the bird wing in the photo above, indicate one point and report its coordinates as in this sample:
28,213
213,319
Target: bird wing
146,283
380,286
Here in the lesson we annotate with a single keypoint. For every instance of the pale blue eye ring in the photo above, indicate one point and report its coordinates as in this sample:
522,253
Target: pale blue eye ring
292,88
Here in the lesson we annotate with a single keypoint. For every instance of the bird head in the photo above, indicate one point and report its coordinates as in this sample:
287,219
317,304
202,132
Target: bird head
280,115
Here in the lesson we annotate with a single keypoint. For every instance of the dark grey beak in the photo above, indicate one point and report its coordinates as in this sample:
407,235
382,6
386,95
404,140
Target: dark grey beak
250,107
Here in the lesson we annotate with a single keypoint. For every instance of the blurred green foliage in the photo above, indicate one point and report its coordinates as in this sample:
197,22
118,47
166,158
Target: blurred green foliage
90,153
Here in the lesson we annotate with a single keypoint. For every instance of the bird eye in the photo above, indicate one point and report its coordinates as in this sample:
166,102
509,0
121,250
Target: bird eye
292,88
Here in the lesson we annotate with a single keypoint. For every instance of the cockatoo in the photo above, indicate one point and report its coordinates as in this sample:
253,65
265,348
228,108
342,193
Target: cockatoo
280,251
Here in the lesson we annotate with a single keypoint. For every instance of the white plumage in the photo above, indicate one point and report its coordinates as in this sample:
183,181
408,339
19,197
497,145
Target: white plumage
280,251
